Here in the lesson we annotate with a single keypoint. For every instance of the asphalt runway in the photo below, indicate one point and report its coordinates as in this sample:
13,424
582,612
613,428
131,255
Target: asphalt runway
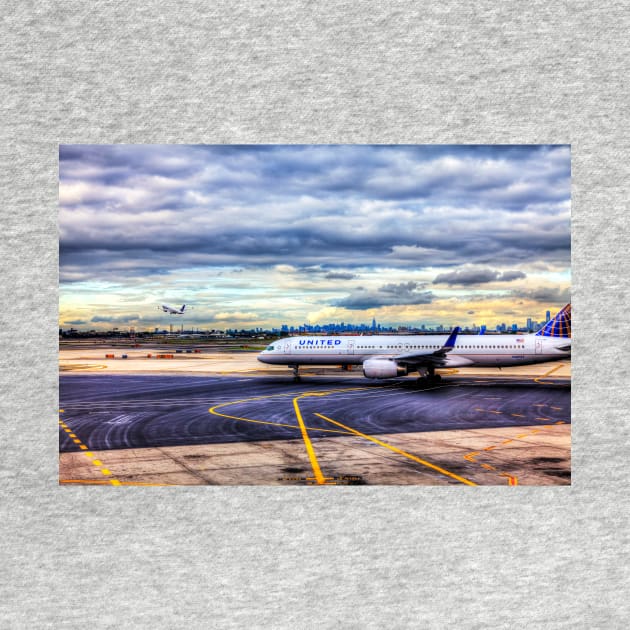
135,411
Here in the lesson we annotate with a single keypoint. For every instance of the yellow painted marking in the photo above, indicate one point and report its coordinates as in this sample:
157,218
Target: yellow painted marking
113,482
400,451
543,419
213,410
518,415
488,467
557,408
539,405
96,462
494,411
512,481
489,448
301,425
533,432
307,442
560,422
477,409
506,441
522,435
471,456
537,379
87,481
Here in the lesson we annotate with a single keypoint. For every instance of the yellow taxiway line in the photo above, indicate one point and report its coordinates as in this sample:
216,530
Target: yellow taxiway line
537,379
319,477
102,482
400,451
83,447
213,410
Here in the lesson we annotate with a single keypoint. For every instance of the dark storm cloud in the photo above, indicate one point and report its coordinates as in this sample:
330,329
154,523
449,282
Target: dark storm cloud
466,276
134,211
120,319
508,276
552,295
388,295
75,322
477,276
339,275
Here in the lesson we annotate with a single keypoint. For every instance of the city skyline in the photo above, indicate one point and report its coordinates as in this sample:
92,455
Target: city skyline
255,236
531,325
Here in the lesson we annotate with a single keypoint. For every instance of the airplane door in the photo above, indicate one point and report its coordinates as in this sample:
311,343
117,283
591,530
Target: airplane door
350,346
538,345
287,347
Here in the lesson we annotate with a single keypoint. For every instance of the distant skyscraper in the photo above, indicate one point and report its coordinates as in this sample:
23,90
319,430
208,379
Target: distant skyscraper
547,316
374,323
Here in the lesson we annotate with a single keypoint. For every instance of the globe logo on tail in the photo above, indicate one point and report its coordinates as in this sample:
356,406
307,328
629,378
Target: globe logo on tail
559,326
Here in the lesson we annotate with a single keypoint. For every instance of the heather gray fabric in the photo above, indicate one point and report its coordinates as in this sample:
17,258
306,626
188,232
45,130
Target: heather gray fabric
354,557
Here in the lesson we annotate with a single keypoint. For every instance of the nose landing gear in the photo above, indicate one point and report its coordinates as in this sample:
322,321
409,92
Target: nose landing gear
296,374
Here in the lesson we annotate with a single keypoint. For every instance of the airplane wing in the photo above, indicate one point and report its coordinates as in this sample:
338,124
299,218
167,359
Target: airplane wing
436,358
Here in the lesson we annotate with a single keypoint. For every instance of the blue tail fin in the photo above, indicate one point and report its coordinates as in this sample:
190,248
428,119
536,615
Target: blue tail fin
559,326
452,338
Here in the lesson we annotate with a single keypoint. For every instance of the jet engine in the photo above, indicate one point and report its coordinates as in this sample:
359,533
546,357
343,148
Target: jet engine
383,368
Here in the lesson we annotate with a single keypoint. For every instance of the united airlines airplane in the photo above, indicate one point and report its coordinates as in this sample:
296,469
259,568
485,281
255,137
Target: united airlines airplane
391,356
172,310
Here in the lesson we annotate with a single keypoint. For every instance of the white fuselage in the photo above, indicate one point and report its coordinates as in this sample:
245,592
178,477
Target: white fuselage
469,350
173,311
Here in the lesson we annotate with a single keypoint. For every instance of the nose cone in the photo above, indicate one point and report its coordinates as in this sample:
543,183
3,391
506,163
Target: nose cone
262,358
564,347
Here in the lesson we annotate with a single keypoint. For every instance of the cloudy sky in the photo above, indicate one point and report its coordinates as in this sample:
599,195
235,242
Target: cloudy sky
264,235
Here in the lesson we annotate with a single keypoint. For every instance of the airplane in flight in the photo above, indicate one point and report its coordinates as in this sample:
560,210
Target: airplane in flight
172,310
392,356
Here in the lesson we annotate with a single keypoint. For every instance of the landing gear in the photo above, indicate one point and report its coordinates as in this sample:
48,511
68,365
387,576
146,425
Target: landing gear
428,376
296,374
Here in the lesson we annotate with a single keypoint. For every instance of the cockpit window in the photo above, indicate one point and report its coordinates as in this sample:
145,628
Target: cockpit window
269,347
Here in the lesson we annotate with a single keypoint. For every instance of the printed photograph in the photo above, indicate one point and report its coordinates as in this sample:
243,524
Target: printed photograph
306,315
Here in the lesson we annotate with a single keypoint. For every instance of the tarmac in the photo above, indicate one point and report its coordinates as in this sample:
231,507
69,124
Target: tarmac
223,418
